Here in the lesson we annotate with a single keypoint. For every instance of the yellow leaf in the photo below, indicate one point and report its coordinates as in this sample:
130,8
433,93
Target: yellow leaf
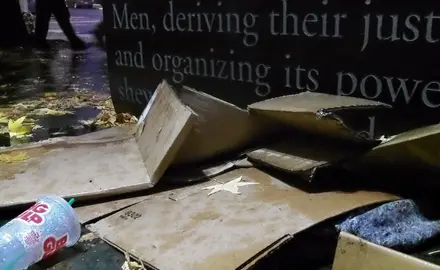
13,157
46,111
16,128
3,119
54,112
50,94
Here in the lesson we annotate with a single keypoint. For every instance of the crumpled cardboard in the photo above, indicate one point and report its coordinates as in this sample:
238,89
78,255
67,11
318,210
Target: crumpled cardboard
353,252
304,154
189,229
322,131
323,114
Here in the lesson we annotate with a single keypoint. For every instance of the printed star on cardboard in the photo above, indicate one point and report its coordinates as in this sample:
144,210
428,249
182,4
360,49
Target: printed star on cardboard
231,186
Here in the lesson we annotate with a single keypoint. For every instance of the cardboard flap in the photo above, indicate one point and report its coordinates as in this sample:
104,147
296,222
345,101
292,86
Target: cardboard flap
219,127
162,128
80,168
317,113
191,229
414,149
353,252
304,154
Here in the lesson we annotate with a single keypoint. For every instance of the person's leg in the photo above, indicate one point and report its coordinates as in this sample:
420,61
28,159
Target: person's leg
43,13
99,34
62,15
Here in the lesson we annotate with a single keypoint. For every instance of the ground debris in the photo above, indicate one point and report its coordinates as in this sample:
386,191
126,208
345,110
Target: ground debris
13,157
17,128
129,265
22,119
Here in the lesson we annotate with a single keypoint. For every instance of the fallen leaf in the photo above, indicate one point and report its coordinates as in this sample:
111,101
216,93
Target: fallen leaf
17,129
125,118
13,157
3,119
46,111
36,127
129,265
88,237
50,94
87,122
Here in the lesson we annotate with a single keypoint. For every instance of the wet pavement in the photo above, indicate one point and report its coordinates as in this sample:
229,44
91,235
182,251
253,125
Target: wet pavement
31,81
44,85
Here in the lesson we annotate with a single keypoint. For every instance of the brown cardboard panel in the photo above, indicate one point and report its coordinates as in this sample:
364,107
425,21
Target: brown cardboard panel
189,229
108,133
202,172
304,154
316,112
353,252
84,170
162,129
220,127
414,149
88,213
198,173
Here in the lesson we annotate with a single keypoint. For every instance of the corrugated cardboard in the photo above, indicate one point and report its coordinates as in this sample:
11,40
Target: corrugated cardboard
185,175
318,113
414,149
83,170
162,129
353,252
220,127
103,164
304,154
191,230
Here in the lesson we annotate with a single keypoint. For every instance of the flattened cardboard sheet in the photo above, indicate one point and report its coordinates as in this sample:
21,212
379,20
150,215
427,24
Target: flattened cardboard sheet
91,212
182,175
317,113
220,127
303,155
81,170
162,129
353,252
191,230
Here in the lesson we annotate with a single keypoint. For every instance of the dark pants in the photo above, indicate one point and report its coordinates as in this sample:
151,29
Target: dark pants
45,8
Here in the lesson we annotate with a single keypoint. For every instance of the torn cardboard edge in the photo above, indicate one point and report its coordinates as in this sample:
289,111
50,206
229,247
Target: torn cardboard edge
353,252
413,150
202,172
318,113
304,154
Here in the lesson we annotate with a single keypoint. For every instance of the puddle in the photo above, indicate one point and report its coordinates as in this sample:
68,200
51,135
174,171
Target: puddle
27,75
